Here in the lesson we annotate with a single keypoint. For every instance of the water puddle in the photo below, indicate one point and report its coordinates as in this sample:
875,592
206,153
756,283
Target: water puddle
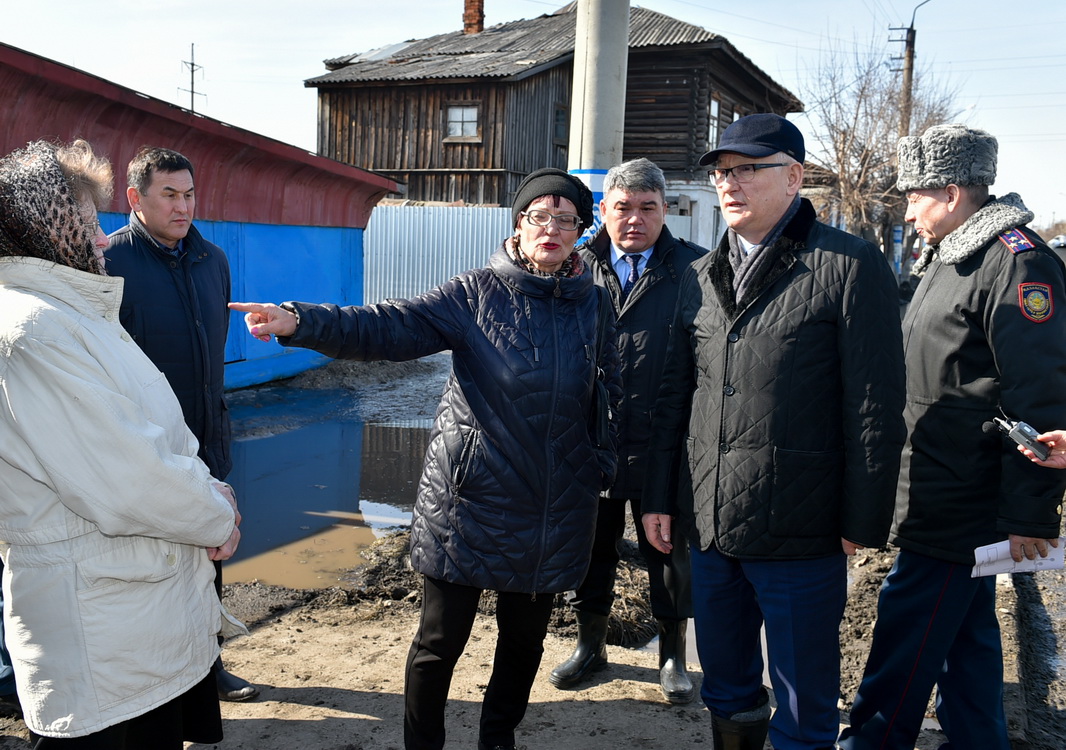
316,485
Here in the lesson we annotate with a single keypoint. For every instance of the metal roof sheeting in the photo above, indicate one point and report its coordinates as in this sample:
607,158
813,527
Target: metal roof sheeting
501,51
240,175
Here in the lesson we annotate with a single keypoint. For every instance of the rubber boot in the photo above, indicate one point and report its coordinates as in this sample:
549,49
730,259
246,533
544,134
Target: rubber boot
673,677
589,656
744,730
231,687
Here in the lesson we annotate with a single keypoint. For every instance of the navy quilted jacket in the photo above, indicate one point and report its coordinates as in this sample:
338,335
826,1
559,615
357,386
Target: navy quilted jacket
508,495
176,312
642,333
793,399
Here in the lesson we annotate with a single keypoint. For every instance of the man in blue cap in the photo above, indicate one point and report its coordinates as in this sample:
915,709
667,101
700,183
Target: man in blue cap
784,383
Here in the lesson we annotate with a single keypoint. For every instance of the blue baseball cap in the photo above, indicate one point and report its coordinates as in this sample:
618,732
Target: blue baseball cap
759,135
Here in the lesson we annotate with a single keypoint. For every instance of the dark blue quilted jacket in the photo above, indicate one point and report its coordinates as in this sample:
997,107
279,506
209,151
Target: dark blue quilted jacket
792,402
176,312
508,495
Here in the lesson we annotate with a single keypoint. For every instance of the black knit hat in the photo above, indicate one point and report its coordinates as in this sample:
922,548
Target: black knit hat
551,181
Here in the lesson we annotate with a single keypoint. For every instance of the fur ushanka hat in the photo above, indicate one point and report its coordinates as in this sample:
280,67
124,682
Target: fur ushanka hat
946,155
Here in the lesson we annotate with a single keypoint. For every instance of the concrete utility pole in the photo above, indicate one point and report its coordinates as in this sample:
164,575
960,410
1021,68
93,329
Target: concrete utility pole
597,112
193,67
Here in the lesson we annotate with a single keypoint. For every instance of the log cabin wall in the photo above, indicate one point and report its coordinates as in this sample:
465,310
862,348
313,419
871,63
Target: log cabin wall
669,108
529,132
401,131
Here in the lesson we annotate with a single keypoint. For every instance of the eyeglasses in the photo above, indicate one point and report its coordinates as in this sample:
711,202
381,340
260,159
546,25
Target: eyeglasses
741,172
94,225
567,222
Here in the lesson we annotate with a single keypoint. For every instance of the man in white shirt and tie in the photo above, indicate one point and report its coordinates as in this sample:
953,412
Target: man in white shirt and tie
640,263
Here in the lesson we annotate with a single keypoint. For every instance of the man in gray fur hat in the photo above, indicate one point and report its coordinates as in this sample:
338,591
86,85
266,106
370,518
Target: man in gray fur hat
983,339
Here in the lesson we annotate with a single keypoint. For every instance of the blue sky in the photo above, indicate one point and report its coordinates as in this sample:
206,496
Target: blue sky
1007,60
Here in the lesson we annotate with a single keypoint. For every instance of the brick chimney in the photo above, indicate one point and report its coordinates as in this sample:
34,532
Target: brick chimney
474,17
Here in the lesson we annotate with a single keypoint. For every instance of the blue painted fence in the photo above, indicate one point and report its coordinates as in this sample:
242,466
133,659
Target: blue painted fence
274,263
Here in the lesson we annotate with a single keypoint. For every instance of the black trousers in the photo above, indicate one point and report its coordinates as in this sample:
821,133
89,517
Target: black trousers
448,611
194,716
669,576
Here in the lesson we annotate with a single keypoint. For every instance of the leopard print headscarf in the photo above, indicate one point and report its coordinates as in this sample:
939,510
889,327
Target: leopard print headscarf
39,215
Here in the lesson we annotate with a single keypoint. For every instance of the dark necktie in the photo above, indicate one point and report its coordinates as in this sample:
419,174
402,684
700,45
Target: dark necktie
632,259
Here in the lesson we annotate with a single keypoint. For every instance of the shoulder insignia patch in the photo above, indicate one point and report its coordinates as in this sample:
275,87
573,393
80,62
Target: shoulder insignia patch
1015,241
1035,301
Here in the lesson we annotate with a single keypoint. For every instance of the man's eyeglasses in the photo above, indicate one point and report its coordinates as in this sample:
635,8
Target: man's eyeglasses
567,222
741,172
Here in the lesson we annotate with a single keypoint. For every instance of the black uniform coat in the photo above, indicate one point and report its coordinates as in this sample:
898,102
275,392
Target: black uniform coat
793,400
643,330
984,337
508,495
175,309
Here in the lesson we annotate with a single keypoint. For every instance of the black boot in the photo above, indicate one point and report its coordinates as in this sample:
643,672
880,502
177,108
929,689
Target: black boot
673,678
590,654
744,730
231,687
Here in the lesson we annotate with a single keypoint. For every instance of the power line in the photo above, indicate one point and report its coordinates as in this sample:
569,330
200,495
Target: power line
193,67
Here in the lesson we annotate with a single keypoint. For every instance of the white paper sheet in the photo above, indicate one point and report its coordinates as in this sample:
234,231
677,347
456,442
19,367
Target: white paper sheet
995,558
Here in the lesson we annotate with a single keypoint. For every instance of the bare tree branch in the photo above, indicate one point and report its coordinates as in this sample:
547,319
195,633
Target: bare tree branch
854,108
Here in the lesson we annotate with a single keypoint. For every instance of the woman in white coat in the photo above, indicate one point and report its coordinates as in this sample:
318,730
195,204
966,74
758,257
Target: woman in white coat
109,522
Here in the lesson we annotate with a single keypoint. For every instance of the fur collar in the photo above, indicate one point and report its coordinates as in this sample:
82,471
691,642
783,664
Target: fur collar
992,219
784,250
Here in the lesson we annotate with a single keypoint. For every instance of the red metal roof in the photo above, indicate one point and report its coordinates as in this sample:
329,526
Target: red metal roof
240,175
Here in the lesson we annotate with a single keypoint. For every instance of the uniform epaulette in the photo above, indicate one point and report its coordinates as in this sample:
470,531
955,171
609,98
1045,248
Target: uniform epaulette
1016,241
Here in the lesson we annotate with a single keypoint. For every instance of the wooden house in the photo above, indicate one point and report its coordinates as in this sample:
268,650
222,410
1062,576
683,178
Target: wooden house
464,116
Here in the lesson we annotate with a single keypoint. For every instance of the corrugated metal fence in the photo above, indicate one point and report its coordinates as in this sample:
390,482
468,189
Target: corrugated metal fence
410,249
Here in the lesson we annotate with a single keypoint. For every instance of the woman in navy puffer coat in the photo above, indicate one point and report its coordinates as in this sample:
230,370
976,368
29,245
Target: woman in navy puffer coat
508,495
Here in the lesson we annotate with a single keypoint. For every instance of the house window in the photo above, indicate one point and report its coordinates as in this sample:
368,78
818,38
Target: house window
561,125
462,122
714,125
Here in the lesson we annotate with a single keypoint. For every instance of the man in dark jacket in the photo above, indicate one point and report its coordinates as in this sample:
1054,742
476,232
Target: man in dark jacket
983,339
784,376
174,305
637,260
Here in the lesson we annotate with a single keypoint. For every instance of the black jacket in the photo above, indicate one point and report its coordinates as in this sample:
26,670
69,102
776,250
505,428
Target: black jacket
176,312
982,341
508,495
643,330
793,402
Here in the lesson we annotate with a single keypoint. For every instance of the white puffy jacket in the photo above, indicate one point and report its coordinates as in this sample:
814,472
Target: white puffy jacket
105,510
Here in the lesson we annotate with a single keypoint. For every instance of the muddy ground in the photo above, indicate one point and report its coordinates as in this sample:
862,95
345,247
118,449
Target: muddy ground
330,662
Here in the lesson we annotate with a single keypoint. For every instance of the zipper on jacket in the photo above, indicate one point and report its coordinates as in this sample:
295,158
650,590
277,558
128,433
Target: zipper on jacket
529,328
548,440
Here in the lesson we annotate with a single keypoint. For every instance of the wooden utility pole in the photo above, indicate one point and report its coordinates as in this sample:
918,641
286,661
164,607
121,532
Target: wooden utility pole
902,235
905,95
